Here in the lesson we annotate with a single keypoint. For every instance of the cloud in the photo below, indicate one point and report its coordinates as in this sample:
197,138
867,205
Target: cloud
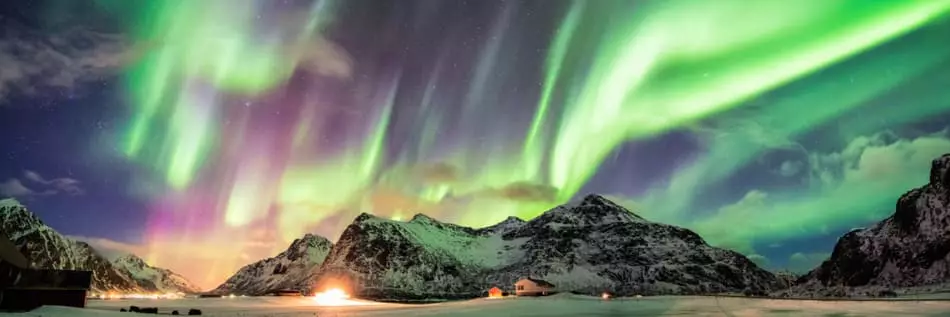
854,186
112,249
803,262
790,168
759,260
14,188
63,184
326,58
37,185
525,191
31,59
440,173
750,129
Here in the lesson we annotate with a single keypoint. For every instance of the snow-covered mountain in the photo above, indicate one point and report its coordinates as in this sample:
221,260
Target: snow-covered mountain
150,277
291,269
911,248
49,249
589,246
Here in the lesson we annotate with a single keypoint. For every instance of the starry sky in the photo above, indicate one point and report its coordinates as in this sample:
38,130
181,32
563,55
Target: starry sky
215,132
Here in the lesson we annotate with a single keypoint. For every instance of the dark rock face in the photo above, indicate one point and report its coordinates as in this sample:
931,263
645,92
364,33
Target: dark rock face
48,249
291,269
590,246
911,248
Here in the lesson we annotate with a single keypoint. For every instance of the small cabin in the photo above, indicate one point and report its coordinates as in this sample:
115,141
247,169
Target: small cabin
495,292
533,287
23,287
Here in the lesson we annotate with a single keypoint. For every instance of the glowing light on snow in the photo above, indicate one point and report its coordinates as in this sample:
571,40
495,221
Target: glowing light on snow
140,296
334,297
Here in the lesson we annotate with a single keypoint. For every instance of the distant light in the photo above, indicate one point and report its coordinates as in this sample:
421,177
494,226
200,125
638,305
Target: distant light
333,297
605,296
231,296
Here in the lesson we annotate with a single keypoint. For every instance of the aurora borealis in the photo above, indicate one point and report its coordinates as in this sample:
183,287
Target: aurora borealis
769,127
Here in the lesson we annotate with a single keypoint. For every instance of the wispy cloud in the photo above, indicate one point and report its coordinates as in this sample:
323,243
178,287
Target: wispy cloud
800,262
34,184
14,188
111,248
63,184
876,168
440,173
525,191
33,60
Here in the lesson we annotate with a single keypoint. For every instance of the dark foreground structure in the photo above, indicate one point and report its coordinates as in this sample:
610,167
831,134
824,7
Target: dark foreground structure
25,288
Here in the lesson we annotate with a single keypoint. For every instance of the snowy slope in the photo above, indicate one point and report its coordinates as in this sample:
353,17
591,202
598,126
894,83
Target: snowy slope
591,245
150,277
291,269
911,248
46,248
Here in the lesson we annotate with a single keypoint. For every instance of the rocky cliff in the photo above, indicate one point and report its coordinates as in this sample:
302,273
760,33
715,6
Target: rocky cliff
911,248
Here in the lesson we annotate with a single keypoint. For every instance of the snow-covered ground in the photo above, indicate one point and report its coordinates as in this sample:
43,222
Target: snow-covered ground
558,305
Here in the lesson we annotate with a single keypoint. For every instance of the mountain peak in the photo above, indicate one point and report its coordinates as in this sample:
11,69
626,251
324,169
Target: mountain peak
513,219
940,170
593,209
11,206
10,202
363,216
422,218
309,239
596,200
508,224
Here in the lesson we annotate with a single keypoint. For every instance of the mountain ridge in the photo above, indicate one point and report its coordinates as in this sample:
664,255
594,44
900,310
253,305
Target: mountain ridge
46,248
589,245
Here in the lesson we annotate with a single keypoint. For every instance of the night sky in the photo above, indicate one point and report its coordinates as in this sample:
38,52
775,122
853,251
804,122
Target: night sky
204,135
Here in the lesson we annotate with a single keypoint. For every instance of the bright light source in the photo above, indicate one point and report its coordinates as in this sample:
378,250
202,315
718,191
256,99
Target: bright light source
333,297
605,296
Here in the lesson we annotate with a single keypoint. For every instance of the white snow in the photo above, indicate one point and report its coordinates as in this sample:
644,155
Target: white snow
9,202
488,251
165,280
562,305
297,265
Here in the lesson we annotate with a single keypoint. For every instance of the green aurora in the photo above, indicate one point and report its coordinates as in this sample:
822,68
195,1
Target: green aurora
742,79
